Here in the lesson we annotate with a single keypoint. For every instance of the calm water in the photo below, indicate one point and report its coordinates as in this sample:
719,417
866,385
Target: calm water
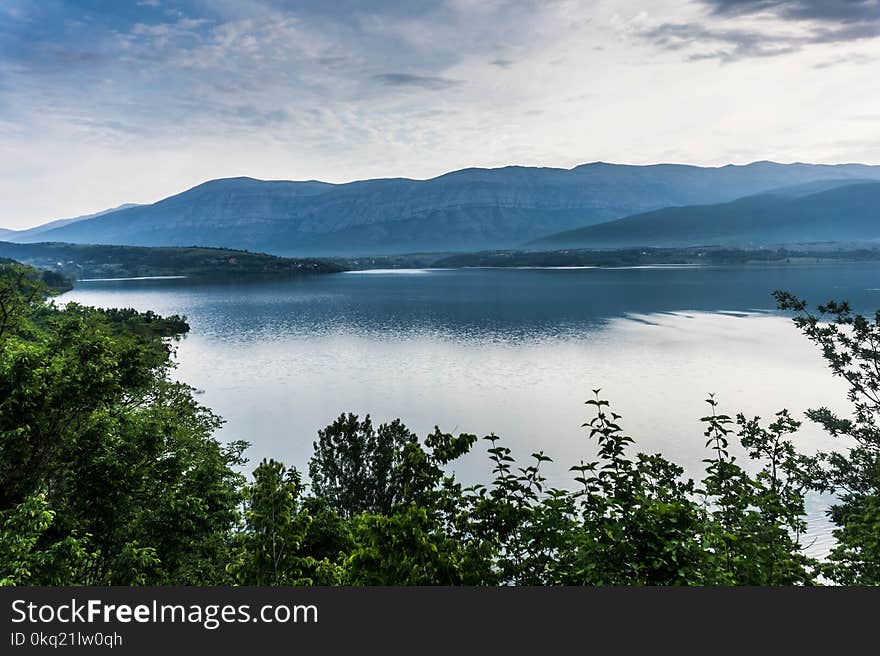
515,352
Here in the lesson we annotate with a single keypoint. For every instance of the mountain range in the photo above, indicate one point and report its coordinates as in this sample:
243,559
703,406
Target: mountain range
470,209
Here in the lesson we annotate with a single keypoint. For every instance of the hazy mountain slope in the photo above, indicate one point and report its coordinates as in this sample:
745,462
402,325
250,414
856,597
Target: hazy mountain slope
215,213
809,188
848,213
464,210
31,234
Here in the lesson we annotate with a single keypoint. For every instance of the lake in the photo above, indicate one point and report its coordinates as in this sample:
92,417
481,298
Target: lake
510,351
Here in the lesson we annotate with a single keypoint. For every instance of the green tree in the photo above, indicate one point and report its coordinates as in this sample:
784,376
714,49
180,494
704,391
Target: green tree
640,522
408,547
25,557
389,508
269,548
357,468
756,520
123,458
850,344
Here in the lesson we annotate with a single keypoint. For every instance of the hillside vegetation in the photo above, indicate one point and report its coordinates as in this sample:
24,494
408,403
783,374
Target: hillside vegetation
83,261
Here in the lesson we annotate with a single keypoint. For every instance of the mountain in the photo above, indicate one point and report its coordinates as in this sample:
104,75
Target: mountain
847,213
31,234
470,209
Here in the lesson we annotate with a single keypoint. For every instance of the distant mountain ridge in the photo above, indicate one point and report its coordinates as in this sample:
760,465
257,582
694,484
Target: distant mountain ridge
843,213
470,209
29,235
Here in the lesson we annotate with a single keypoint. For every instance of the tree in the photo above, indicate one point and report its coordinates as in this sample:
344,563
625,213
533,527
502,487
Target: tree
121,457
269,547
386,500
408,547
25,557
756,520
850,344
640,523
356,468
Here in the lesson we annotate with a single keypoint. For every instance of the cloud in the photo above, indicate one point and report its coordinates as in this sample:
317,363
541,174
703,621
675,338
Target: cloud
725,45
856,59
421,81
833,11
735,30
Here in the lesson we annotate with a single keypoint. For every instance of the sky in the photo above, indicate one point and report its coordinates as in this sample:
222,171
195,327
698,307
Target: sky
104,102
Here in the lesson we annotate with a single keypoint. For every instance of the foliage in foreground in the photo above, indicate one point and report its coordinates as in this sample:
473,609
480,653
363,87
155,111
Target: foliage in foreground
110,474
